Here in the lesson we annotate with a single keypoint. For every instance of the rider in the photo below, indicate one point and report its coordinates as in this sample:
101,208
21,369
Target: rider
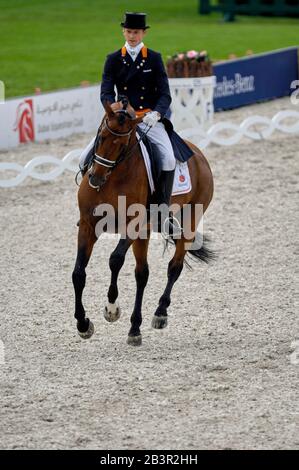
139,73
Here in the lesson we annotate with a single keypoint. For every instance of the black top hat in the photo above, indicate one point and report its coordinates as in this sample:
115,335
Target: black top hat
134,21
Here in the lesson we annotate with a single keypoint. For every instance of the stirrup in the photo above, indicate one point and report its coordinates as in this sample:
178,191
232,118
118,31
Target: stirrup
171,228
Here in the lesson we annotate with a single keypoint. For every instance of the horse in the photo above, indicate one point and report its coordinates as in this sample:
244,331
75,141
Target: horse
116,167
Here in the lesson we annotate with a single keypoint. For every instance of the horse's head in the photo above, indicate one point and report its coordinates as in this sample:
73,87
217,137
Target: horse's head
113,141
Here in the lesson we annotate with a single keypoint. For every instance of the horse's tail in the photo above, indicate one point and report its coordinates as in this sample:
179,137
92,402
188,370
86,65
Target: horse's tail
200,249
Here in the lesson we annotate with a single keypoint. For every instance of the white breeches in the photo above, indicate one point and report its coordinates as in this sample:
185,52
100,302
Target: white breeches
158,136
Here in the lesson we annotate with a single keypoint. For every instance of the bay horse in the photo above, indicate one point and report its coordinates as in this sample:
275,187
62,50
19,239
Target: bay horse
116,148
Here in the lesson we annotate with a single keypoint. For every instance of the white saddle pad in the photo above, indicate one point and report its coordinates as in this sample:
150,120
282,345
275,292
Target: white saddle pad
182,181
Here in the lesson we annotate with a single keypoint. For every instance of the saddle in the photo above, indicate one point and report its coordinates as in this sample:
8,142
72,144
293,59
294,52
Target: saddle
181,150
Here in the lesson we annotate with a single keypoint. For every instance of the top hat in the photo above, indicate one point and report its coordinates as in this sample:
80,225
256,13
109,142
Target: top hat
134,21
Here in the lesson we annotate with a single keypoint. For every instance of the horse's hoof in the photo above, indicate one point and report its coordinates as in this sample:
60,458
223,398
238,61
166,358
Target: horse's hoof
112,312
87,334
159,322
134,340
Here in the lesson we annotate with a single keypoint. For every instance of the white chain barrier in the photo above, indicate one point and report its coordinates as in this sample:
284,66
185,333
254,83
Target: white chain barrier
69,162
248,128
217,133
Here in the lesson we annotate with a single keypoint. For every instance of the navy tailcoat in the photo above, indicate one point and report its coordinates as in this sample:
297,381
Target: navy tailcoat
146,85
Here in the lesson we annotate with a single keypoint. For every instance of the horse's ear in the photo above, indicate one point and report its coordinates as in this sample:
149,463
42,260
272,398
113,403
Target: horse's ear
108,109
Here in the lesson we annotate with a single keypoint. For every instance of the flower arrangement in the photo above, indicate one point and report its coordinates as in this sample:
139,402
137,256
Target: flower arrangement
189,64
196,55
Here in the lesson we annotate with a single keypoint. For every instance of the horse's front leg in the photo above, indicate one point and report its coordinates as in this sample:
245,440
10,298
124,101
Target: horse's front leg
116,261
140,248
86,241
175,267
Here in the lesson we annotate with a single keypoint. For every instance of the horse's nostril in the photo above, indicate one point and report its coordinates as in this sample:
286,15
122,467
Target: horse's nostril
96,181
93,180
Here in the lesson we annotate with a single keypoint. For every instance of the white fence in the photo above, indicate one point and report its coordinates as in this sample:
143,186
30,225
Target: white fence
253,127
60,114
248,128
192,103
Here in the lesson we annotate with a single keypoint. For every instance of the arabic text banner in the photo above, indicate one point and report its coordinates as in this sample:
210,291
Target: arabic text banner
49,116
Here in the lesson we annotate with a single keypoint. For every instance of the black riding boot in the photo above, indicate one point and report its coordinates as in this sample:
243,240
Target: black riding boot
87,162
166,224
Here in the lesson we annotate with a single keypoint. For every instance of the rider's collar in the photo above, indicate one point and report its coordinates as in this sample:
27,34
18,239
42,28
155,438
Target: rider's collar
134,51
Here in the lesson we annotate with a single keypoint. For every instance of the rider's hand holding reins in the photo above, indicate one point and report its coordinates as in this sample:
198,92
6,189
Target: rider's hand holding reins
151,119
116,106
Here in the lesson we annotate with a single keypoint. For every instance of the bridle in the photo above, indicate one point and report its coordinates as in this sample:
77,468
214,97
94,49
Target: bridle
125,154
104,161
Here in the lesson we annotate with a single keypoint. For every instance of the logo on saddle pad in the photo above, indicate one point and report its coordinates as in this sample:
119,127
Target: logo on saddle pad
24,121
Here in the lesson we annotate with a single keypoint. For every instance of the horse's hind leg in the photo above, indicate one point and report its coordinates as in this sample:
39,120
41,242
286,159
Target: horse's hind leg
116,261
175,267
86,240
140,248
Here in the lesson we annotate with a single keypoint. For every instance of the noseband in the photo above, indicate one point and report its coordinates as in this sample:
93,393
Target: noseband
104,161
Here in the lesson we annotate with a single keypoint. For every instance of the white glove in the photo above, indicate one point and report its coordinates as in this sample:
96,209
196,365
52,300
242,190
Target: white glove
151,119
